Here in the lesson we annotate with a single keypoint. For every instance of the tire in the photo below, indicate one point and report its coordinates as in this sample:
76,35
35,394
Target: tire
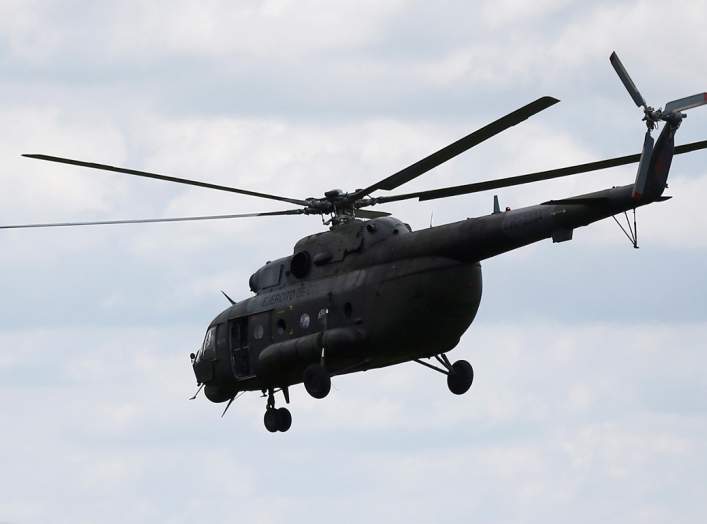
316,381
271,419
284,419
460,377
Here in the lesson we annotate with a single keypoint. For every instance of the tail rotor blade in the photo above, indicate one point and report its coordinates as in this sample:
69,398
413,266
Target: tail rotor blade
683,104
626,80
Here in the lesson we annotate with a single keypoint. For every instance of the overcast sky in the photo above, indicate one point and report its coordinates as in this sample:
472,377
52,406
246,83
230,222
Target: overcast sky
590,398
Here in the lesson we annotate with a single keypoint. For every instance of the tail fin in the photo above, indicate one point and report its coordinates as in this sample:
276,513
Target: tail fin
652,176
655,161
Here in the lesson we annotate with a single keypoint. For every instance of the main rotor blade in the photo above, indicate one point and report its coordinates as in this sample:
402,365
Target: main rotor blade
152,220
157,176
626,80
531,177
365,213
456,148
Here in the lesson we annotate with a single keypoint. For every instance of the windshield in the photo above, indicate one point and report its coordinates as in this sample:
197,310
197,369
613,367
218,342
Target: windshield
208,350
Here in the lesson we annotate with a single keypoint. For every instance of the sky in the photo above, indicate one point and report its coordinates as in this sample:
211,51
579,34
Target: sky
589,402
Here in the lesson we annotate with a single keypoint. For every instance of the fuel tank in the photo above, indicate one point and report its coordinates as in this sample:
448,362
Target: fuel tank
298,352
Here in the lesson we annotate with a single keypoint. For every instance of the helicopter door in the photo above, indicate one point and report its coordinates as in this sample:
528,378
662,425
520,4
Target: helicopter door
260,336
238,329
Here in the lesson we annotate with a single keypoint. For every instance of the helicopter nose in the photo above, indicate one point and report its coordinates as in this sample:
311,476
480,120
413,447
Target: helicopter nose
203,368
218,394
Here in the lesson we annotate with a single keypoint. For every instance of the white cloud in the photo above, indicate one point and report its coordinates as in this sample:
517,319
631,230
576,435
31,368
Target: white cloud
243,32
124,427
600,420
40,190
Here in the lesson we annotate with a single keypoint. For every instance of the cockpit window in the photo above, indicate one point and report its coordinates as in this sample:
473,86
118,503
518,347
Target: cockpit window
209,347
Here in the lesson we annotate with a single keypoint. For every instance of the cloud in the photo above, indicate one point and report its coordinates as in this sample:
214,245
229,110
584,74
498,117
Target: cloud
395,435
588,402
249,31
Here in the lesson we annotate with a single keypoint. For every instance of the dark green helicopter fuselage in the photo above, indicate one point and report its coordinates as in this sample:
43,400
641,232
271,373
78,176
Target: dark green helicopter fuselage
364,300
369,294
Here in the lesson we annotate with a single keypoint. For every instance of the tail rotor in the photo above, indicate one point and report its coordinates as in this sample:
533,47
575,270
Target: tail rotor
672,114
673,110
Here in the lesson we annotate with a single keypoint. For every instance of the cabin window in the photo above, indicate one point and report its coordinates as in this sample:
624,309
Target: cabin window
258,331
239,333
304,321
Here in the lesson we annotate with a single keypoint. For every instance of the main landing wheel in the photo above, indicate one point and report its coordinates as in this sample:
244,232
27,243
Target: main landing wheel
277,419
317,381
460,377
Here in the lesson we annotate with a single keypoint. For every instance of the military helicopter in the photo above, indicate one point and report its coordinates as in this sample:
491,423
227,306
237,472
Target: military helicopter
370,292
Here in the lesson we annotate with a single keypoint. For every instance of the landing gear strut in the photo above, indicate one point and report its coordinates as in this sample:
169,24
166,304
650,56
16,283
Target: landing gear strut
277,419
460,375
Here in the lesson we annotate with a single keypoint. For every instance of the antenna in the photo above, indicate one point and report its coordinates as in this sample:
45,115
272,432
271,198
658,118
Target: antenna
233,302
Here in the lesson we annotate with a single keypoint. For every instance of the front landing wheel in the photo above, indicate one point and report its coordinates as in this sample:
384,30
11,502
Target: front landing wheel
277,419
284,419
460,377
271,420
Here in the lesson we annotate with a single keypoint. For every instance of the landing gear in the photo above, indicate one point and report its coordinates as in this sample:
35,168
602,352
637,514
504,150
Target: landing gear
277,419
460,375
317,381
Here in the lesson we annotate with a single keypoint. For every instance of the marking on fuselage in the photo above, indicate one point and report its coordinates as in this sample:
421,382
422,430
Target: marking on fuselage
284,296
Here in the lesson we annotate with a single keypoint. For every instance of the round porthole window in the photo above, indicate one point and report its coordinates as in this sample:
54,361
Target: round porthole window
304,321
258,332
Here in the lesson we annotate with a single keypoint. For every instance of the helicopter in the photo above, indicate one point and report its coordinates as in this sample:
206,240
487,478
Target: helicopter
370,292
